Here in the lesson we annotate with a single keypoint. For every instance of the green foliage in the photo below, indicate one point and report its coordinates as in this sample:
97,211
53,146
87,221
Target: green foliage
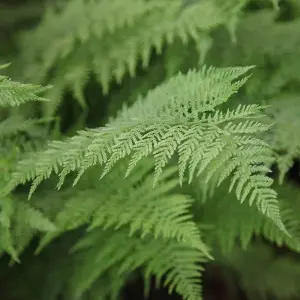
177,262
14,93
163,123
277,60
276,78
109,38
168,213
19,221
149,192
248,223
262,274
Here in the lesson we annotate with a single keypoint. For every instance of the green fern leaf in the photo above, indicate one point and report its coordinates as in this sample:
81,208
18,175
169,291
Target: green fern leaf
81,39
182,108
248,222
14,93
178,263
168,214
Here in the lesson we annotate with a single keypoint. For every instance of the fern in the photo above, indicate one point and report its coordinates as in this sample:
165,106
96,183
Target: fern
19,223
14,93
168,214
163,123
81,39
163,128
160,124
226,232
11,141
19,220
283,137
135,213
276,79
185,133
178,263
262,273
277,61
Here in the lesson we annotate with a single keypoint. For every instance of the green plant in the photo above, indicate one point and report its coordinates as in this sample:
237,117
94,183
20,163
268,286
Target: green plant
19,220
176,177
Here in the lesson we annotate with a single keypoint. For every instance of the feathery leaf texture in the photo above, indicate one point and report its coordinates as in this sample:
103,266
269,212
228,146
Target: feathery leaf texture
14,93
100,250
183,131
178,116
19,221
135,221
278,62
109,37
168,214
275,80
247,221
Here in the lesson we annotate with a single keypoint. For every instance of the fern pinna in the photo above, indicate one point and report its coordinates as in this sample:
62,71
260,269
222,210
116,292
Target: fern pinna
19,221
108,39
166,161
147,222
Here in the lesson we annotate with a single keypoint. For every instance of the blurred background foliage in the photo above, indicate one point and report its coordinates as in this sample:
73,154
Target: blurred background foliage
98,58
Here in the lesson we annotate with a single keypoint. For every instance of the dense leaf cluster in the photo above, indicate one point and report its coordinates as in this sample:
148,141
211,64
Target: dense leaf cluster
178,176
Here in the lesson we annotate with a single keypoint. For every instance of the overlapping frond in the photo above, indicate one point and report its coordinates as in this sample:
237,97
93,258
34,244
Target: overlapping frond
182,131
179,116
109,38
19,222
159,212
259,42
173,264
219,209
276,79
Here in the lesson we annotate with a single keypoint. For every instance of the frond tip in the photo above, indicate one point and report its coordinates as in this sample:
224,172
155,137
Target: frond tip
14,93
109,38
179,116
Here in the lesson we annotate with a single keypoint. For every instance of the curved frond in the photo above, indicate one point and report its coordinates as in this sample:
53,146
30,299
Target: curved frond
19,222
178,116
100,251
219,209
278,62
109,38
159,212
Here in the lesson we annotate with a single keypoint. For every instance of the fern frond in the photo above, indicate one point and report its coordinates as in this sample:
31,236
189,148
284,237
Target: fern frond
275,79
82,39
16,124
159,212
181,116
14,93
278,61
262,273
6,239
19,221
177,262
